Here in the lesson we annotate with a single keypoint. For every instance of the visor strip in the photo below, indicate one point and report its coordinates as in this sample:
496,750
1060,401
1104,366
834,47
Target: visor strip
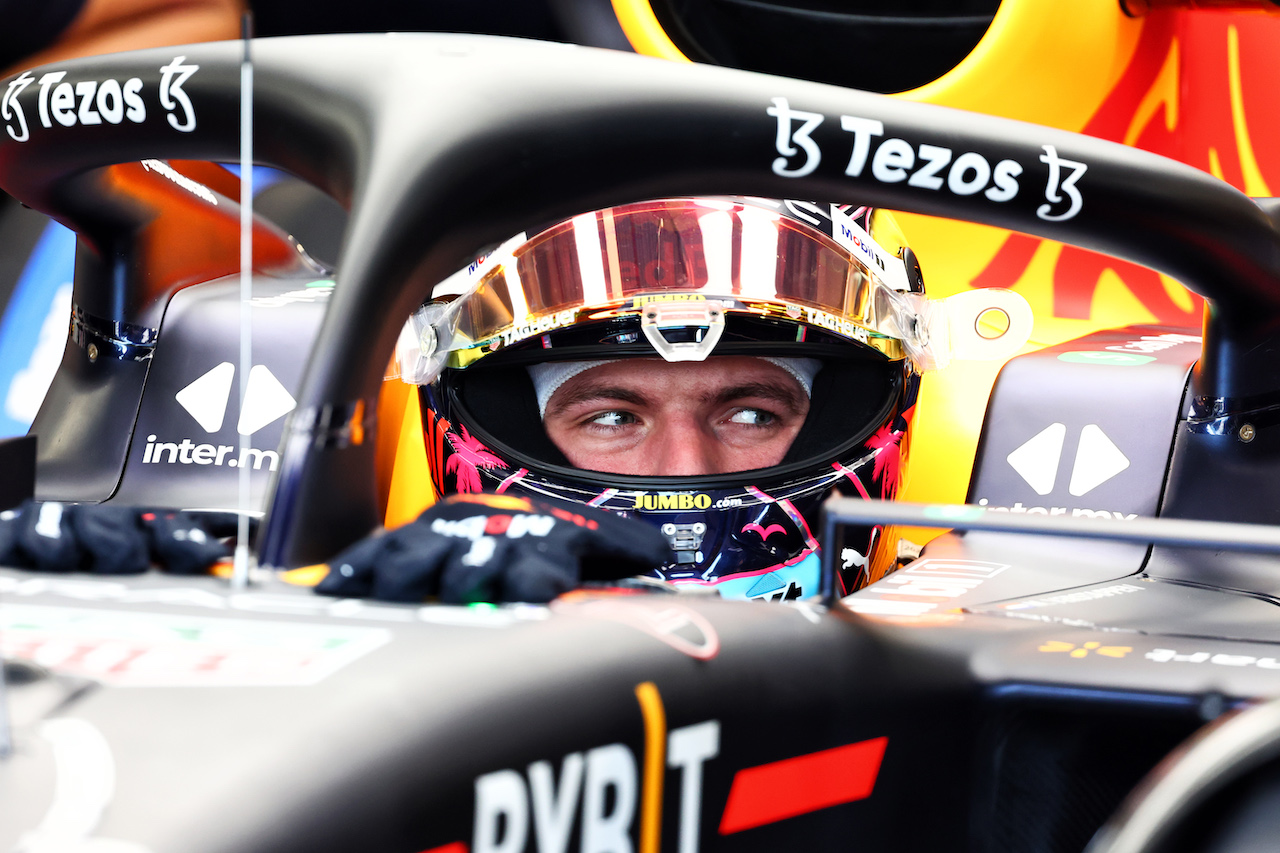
603,497
512,480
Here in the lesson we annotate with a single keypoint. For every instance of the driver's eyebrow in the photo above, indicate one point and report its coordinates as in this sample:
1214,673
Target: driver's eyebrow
594,393
761,390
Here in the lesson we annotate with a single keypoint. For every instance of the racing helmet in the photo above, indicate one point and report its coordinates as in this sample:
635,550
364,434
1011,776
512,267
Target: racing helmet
686,279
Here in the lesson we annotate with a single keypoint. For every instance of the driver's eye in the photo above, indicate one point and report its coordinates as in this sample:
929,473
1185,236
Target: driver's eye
613,419
753,417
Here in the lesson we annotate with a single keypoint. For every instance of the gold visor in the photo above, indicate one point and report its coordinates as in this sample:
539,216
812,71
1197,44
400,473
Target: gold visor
660,260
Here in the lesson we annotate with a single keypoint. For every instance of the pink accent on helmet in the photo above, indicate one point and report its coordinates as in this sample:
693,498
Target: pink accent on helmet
765,532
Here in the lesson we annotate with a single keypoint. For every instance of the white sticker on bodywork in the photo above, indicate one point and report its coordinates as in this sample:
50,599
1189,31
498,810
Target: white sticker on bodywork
84,785
135,649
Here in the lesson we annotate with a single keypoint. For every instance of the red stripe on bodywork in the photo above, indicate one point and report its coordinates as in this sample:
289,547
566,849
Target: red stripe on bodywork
455,847
796,786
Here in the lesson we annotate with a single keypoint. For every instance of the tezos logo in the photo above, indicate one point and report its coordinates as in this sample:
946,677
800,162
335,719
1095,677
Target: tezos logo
931,167
98,101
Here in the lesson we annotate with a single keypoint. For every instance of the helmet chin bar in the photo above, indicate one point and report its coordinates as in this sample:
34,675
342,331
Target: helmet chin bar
687,314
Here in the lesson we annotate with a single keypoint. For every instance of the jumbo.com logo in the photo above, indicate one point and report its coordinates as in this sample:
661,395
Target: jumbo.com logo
206,399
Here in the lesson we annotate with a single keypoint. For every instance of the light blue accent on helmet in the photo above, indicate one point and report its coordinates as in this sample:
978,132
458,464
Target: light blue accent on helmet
776,585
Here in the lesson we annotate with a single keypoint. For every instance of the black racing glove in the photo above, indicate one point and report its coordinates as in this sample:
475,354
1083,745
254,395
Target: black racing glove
42,537
181,543
469,548
105,539
113,538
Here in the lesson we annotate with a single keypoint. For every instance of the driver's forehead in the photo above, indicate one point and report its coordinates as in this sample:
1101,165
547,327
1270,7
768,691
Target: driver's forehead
658,378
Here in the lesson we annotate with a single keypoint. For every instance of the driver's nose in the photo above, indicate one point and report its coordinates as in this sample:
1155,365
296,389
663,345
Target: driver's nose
684,448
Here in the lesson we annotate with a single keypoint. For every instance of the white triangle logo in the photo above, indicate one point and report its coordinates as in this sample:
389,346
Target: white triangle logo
265,400
206,398
1097,460
1037,460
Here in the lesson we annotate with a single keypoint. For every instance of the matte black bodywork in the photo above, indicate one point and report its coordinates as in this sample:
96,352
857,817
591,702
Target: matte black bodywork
274,719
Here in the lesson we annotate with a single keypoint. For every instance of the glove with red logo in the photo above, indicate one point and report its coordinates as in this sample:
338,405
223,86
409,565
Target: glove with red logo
469,548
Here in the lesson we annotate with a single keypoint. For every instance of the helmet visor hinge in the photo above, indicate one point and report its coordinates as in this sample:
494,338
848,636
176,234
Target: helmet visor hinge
685,540
658,318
